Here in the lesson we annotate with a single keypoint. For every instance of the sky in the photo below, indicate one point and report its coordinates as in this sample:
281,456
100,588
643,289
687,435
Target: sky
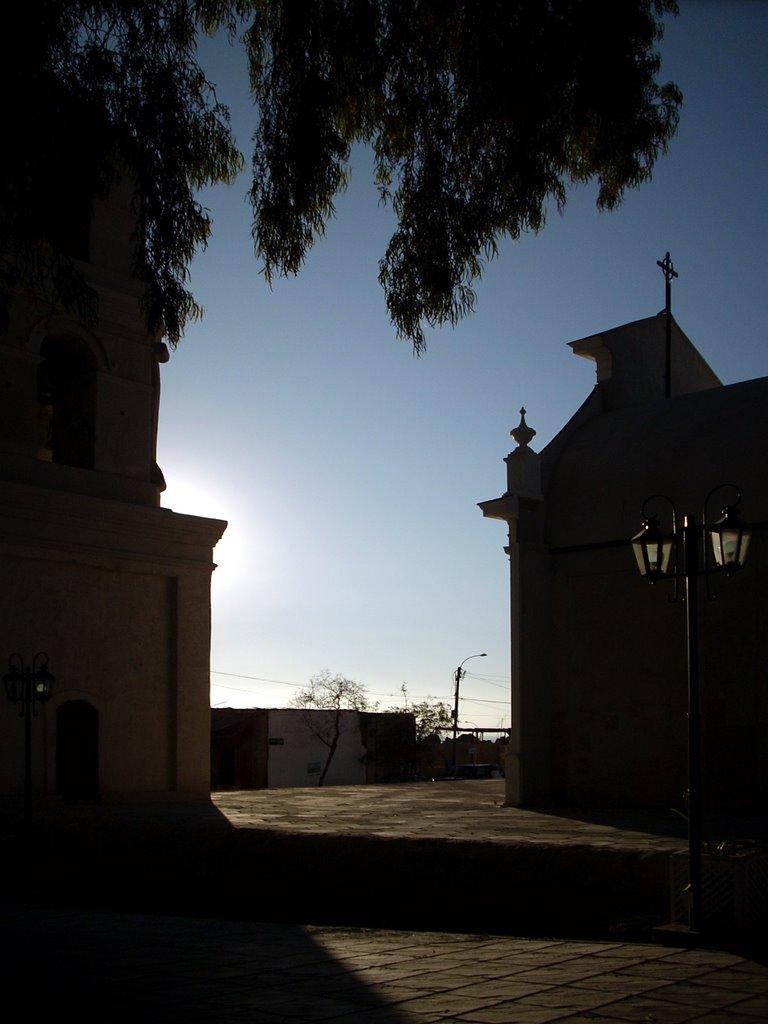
349,470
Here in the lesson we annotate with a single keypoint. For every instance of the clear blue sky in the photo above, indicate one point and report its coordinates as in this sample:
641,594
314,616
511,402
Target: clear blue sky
349,471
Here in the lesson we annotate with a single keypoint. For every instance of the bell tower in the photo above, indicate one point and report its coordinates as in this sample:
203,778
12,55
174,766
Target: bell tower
112,587
80,403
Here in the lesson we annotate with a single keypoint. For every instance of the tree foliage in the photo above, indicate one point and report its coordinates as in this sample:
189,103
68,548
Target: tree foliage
433,717
93,90
480,114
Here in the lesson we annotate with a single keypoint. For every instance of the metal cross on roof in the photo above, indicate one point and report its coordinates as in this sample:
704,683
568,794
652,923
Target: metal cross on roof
669,273
667,267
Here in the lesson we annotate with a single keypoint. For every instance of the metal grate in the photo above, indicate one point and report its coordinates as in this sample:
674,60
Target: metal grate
734,890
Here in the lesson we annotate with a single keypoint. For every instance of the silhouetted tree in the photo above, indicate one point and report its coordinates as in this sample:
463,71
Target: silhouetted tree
334,694
479,113
433,718
92,91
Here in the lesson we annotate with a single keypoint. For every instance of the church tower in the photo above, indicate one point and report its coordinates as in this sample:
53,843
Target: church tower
114,589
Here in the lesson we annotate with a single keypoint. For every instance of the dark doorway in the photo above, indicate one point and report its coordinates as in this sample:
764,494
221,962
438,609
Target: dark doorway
227,768
77,751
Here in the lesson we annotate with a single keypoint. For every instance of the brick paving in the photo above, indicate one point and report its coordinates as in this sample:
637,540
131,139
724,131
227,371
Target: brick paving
93,965
472,811
445,855
288,899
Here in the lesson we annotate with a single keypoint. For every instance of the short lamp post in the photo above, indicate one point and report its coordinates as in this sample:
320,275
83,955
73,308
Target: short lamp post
457,677
677,556
28,686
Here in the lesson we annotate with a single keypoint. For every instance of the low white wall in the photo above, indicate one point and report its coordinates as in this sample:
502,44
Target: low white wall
296,755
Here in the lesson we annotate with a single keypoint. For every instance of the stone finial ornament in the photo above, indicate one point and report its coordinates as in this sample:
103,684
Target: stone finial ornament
523,434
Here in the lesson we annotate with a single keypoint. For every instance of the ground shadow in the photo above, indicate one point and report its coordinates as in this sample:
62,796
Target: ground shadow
660,822
121,967
668,822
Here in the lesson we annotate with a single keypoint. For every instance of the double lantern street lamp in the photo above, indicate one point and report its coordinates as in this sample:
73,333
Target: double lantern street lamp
457,677
677,556
28,686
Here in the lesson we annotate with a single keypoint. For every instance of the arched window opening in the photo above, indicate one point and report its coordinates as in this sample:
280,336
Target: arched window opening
66,388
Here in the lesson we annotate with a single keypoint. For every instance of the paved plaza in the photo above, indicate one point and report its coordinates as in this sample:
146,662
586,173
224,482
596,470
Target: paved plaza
106,967
471,811
392,904
436,856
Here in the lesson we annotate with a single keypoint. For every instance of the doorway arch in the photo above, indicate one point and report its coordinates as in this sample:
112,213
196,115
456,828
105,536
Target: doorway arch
77,750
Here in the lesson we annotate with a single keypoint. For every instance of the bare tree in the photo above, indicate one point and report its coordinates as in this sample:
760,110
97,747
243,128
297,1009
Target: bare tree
334,694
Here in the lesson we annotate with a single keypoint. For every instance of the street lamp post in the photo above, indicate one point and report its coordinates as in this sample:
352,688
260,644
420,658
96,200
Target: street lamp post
657,558
28,686
457,676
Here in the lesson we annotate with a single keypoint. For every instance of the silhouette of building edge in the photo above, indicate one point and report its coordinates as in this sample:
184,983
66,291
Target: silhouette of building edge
112,587
598,656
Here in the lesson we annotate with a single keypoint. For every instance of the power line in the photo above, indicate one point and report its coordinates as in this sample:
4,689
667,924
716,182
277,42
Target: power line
479,700
283,682
258,679
489,680
385,696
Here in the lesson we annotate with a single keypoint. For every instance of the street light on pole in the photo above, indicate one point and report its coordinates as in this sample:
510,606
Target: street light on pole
28,685
657,558
457,676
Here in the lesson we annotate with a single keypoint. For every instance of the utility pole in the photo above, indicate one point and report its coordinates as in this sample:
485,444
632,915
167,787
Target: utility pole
457,677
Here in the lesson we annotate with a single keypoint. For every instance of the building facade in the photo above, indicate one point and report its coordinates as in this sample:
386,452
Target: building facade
277,748
599,656
112,588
